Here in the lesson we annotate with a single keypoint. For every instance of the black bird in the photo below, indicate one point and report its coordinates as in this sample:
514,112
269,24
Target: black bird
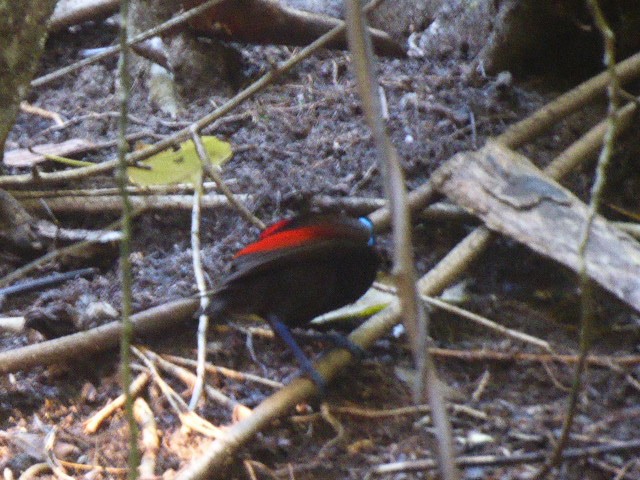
298,269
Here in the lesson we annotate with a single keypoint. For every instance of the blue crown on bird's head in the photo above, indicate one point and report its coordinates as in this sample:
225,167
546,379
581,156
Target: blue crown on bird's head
369,224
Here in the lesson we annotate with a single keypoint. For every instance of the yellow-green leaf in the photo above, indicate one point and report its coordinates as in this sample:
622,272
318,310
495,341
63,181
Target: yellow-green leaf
369,304
178,166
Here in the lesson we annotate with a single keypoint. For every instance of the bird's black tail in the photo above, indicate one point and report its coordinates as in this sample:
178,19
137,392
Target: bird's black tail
216,309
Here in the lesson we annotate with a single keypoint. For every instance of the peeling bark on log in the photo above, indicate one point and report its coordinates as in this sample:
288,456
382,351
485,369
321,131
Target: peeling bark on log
513,197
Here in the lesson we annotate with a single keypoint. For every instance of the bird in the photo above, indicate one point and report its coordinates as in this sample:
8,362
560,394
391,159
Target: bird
299,268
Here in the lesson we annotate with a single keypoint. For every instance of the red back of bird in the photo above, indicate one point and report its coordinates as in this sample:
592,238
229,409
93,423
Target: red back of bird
300,268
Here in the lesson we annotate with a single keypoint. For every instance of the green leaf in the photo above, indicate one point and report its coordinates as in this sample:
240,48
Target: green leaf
179,166
369,304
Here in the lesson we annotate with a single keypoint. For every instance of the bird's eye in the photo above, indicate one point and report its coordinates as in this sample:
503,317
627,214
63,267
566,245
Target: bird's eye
369,224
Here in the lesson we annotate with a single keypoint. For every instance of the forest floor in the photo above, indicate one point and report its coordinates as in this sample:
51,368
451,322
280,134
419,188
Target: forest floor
301,138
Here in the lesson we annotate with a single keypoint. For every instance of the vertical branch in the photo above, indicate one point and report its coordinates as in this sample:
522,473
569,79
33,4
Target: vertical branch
125,244
413,315
203,320
412,311
586,286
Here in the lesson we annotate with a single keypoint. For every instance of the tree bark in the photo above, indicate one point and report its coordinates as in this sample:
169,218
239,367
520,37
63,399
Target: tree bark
24,27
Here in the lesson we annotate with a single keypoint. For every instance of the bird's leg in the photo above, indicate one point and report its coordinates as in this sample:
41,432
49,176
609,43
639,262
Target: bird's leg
340,341
281,330
337,340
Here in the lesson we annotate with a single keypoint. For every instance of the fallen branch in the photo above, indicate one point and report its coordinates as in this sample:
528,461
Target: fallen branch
268,22
483,355
99,205
514,198
439,211
82,344
497,461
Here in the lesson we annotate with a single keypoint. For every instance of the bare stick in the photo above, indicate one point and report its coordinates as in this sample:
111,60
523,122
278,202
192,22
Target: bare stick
156,319
94,422
440,211
46,282
98,205
52,460
126,276
392,412
188,418
178,188
203,320
68,13
515,459
413,315
227,372
150,439
189,379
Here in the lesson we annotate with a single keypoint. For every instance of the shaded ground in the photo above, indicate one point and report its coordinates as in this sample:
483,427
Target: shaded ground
303,137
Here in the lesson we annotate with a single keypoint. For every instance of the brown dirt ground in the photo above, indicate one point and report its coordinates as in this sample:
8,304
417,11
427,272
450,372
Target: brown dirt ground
301,137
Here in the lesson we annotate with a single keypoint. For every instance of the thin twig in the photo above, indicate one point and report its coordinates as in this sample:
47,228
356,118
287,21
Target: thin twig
52,460
46,282
439,211
126,276
588,308
413,313
211,172
107,52
178,188
370,414
189,379
188,418
198,271
485,355
480,320
227,372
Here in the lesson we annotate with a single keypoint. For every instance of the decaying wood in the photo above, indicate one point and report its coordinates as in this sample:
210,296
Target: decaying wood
513,197
268,21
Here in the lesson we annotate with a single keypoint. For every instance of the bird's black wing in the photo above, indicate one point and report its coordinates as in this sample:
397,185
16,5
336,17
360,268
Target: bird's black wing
251,265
